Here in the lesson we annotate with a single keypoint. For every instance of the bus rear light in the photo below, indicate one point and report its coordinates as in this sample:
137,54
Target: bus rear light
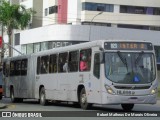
109,90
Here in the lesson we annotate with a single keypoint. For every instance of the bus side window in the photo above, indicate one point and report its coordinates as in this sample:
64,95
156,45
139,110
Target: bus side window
96,68
24,67
73,61
44,64
85,60
38,65
12,68
18,67
53,64
63,62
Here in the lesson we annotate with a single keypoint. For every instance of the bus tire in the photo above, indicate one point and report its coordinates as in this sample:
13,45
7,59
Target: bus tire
127,107
13,99
42,96
83,100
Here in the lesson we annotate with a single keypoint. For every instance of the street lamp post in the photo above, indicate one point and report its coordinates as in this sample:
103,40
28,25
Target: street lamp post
90,24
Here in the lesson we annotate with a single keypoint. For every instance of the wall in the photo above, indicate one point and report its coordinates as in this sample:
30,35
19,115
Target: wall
74,11
62,11
81,32
37,18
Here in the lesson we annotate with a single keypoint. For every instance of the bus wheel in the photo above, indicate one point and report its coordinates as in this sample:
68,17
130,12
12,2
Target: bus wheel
13,99
127,107
43,100
83,100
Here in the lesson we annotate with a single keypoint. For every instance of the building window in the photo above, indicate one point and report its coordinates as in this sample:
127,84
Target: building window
97,7
52,9
133,26
139,10
37,47
156,11
44,46
17,39
101,7
46,11
29,48
133,9
24,49
109,8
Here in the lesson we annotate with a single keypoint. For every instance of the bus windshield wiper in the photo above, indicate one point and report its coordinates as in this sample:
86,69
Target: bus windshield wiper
122,59
139,57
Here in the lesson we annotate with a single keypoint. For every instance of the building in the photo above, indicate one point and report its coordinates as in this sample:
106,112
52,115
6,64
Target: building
66,22
139,14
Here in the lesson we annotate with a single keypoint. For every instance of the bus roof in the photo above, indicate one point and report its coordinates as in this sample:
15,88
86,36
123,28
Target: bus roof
73,47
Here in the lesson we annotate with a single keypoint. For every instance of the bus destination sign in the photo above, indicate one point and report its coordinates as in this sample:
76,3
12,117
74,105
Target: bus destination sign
127,46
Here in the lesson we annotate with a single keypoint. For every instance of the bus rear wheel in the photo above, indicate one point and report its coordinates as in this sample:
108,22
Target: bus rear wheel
13,99
43,100
83,100
127,107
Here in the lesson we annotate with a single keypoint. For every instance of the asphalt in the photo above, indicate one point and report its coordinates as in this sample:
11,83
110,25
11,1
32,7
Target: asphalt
2,106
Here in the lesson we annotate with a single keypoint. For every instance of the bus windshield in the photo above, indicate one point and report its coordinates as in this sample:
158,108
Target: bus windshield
130,67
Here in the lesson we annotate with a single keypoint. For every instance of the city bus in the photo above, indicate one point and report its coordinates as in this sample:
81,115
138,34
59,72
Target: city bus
103,72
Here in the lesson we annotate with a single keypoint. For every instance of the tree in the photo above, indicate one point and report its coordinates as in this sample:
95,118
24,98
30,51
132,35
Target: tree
14,17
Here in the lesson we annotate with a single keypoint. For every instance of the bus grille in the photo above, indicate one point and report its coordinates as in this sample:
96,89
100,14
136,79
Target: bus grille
132,87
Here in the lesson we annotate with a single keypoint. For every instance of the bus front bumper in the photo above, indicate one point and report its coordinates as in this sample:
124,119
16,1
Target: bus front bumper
119,99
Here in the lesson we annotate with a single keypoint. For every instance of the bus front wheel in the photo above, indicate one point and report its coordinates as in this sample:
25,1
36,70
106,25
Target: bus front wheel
127,107
43,100
83,100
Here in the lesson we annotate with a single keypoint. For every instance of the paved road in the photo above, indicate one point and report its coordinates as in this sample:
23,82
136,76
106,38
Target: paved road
32,105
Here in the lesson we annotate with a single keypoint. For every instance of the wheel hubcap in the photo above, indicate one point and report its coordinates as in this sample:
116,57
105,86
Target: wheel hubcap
83,99
42,98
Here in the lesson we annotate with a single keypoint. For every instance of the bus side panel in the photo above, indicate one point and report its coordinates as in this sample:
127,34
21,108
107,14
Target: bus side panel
31,77
35,82
33,67
93,84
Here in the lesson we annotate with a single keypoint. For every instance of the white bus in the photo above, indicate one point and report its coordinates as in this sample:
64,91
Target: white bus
99,72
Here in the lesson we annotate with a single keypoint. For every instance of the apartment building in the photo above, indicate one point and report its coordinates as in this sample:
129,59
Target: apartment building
140,14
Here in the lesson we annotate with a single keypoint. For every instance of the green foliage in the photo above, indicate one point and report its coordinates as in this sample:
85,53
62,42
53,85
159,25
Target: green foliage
14,16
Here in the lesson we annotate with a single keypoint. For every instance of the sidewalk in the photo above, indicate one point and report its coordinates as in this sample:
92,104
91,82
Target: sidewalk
2,106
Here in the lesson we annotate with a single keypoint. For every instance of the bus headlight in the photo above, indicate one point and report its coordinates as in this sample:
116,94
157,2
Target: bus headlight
154,91
109,90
